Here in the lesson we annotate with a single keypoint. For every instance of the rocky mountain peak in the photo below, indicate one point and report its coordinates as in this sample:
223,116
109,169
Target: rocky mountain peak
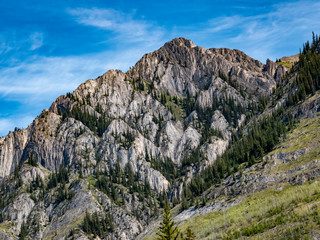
108,78
237,57
181,67
112,75
180,42
291,59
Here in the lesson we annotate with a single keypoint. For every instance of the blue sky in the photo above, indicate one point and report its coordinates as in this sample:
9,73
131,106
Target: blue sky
47,48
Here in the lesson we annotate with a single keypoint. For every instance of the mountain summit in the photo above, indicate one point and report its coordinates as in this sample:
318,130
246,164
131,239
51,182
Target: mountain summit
183,67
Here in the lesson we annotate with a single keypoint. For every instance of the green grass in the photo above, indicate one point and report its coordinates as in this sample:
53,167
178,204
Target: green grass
305,137
286,64
5,226
175,109
92,180
294,204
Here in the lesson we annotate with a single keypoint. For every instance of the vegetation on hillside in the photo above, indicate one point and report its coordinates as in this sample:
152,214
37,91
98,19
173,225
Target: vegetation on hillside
282,211
168,229
97,124
308,69
98,225
251,145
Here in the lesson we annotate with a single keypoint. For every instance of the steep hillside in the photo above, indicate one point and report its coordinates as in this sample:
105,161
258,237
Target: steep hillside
177,128
277,198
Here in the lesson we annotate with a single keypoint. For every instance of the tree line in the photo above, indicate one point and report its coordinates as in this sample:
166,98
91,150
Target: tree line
308,69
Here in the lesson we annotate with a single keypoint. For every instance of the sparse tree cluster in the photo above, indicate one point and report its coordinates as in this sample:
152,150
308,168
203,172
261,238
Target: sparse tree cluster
32,160
166,167
108,183
98,225
62,176
96,124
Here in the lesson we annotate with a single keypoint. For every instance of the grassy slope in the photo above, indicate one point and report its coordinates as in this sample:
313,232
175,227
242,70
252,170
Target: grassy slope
282,211
278,209
287,64
305,137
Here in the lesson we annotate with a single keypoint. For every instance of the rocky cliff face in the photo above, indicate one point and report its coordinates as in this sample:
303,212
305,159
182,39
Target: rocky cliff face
178,103
11,151
275,70
180,67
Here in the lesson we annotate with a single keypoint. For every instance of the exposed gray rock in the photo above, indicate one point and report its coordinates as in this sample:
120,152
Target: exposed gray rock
141,108
11,150
275,70
215,148
219,122
308,109
180,67
4,236
219,205
20,209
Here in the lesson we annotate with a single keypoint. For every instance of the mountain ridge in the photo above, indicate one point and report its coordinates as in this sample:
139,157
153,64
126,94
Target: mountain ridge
111,74
123,144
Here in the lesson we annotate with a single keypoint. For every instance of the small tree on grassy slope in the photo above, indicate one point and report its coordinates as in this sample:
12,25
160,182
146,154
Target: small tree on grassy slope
190,235
167,229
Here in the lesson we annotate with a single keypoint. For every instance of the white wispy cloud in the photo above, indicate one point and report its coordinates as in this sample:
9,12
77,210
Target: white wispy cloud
38,80
222,23
36,40
261,35
4,48
39,77
286,19
124,25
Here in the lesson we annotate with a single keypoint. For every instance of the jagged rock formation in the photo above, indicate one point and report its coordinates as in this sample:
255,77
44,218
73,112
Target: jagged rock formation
291,59
275,70
180,67
11,150
178,102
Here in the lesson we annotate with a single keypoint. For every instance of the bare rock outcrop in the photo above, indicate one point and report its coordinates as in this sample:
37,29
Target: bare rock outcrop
180,67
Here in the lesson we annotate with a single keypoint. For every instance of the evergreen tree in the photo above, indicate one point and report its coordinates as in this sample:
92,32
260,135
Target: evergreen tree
184,203
23,231
32,160
190,235
101,226
167,229
86,222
